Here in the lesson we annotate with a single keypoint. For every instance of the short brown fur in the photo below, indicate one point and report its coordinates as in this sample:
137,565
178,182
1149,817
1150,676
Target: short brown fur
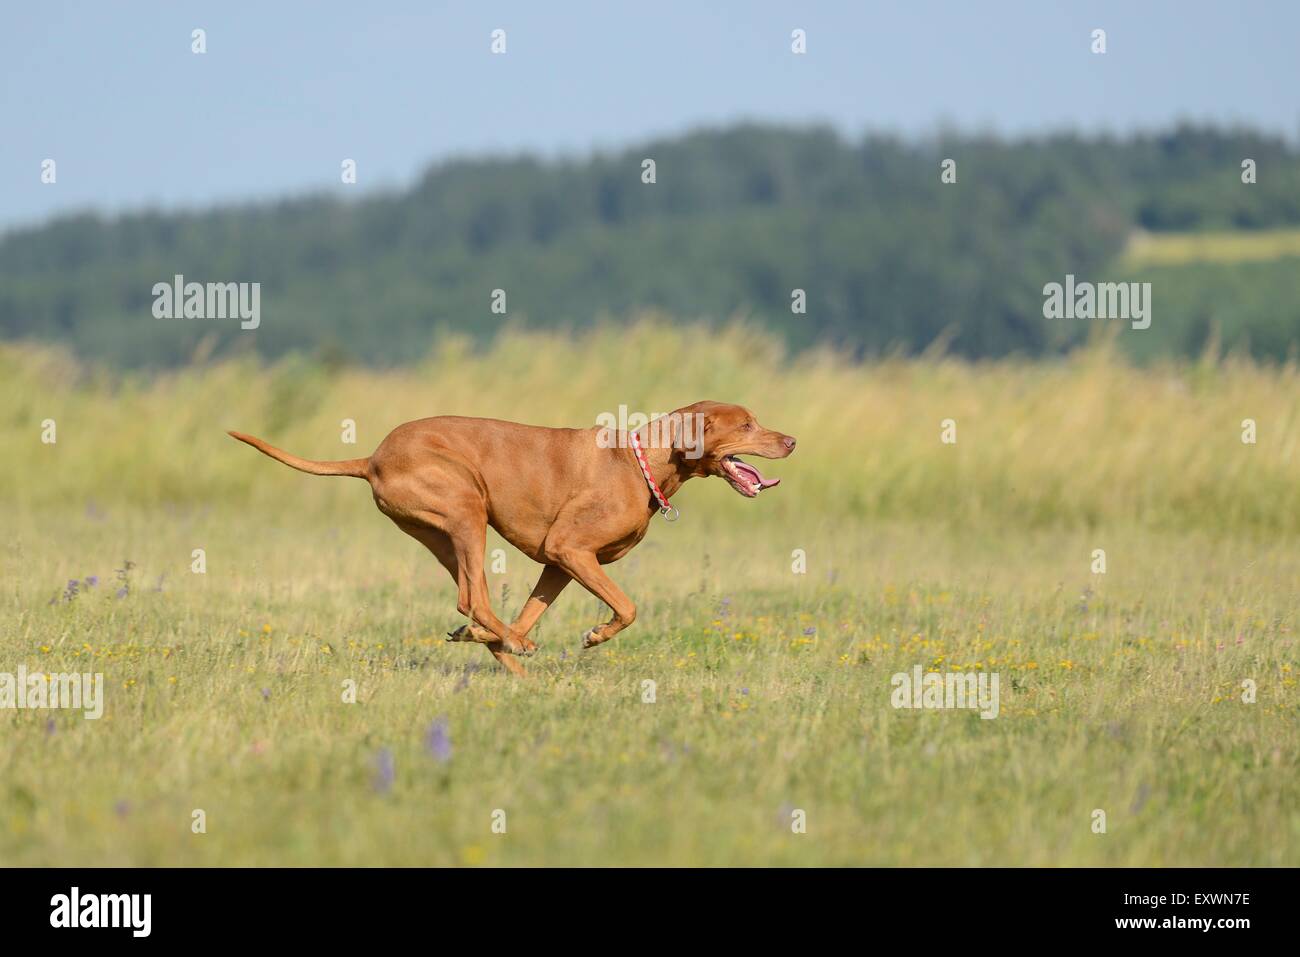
563,497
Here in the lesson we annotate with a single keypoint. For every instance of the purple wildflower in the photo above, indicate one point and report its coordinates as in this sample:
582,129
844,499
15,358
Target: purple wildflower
438,741
385,771
124,577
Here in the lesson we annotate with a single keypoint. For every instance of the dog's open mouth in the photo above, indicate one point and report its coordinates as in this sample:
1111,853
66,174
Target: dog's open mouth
744,478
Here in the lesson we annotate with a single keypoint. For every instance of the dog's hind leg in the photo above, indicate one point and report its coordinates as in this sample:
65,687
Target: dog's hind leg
445,550
468,534
442,501
440,545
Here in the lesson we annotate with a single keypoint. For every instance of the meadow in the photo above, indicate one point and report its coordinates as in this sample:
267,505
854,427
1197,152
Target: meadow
1121,691
1224,246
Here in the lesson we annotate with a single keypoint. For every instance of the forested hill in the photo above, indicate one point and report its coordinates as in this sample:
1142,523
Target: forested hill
737,218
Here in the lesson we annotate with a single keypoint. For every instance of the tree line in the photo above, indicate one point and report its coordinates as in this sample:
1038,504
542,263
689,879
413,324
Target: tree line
886,254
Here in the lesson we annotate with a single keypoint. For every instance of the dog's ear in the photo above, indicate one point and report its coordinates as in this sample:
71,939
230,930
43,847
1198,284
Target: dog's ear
663,432
669,431
691,431
675,433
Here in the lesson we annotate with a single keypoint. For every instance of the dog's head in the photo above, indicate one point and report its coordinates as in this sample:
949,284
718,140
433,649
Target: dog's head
709,436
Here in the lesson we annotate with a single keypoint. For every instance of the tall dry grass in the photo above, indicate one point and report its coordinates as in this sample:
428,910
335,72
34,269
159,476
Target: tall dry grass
1087,440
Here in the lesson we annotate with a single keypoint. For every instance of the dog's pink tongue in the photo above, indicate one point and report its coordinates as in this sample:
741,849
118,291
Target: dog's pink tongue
757,476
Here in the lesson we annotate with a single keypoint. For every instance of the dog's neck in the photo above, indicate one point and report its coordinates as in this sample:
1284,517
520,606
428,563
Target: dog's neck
668,467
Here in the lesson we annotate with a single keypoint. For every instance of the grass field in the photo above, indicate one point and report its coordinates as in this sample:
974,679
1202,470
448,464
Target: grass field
1120,692
1228,246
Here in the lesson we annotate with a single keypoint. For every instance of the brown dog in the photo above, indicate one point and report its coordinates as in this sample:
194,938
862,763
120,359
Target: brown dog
571,499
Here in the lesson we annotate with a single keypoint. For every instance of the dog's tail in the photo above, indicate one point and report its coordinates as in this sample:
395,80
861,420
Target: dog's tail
358,468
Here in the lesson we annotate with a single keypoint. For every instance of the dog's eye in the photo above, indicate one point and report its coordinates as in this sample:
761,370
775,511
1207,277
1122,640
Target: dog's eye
747,427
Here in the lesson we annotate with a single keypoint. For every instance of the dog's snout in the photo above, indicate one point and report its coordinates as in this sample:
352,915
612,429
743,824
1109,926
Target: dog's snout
788,442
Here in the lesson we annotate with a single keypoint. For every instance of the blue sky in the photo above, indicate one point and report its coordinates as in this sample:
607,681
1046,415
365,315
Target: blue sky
286,91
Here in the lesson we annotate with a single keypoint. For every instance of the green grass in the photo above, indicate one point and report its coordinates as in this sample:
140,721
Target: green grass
1237,246
1120,692
1127,700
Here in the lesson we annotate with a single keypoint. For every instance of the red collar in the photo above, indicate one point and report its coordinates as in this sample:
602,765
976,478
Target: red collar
667,511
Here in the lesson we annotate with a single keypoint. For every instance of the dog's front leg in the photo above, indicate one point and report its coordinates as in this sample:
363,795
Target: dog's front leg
586,569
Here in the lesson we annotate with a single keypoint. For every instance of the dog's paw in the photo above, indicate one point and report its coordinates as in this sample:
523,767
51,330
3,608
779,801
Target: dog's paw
472,633
592,637
522,647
